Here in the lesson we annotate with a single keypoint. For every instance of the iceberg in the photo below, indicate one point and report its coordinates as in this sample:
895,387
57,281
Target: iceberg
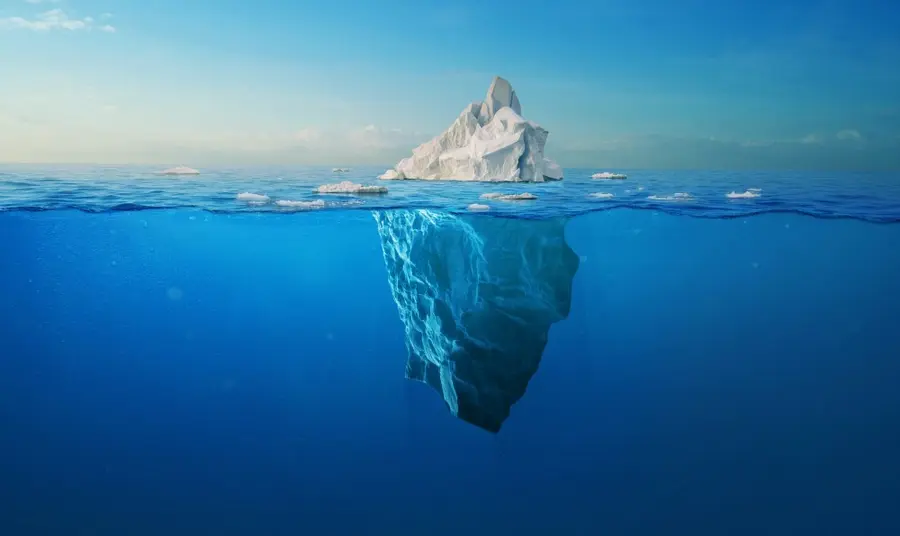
477,297
489,141
179,170
347,187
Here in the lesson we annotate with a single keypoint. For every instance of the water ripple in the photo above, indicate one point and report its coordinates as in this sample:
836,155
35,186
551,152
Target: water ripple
866,196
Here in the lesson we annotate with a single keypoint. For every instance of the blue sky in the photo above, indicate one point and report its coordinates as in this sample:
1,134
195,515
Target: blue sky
618,83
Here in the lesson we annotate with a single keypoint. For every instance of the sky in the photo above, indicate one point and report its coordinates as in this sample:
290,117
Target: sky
770,84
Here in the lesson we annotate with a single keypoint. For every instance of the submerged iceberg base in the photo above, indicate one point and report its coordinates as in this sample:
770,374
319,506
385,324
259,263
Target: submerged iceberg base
477,297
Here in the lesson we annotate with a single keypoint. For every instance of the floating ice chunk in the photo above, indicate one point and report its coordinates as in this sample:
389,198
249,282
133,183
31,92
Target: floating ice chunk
255,199
552,170
749,194
340,170
678,196
476,206
608,175
347,187
300,205
754,189
603,195
509,197
488,141
179,170
390,175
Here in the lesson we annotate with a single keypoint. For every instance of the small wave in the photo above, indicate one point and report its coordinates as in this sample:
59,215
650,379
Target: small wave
677,196
749,194
509,197
253,199
602,195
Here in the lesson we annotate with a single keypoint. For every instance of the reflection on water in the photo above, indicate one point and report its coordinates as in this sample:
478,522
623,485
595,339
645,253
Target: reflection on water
477,297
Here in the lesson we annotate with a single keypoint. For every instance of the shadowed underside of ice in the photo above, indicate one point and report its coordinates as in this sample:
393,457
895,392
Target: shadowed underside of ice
477,297
489,141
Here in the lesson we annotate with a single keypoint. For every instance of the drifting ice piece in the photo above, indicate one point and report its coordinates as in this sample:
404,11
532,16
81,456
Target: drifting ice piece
179,170
489,141
347,187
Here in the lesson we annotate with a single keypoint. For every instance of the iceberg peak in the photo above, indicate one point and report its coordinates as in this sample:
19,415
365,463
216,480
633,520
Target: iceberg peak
488,141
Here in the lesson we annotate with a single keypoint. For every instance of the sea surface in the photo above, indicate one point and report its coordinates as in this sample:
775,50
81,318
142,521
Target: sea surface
178,361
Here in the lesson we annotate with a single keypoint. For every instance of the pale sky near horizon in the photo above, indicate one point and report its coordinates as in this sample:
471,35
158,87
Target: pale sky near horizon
618,83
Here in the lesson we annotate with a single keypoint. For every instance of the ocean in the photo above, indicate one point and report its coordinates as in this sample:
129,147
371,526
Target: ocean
179,361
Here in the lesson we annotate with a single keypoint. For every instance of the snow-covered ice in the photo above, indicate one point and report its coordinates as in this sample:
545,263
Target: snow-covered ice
608,175
749,194
179,170
253,198
489,141
348,187
510,197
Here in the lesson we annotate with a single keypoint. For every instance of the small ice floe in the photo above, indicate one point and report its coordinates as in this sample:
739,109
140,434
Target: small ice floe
179,170
340,170
677,196
509,197
253,199
300,205
602,195
608,175
347,187
749,194
389,175
478,207
757,190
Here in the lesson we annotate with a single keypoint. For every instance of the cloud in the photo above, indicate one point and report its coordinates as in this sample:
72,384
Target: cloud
54,19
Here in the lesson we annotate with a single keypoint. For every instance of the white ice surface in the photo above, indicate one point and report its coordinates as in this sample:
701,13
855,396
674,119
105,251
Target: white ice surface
348,187
253,198
180,170
488,141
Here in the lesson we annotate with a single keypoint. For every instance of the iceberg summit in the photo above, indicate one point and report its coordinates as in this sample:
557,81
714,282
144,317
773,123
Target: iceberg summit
489,141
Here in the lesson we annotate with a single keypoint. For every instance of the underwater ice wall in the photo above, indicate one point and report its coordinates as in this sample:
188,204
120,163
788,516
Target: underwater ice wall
477,297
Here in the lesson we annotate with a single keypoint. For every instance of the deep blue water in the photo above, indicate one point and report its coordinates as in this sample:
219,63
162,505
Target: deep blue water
234,371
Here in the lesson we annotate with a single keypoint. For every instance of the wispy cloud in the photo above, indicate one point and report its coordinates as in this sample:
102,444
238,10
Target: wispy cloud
54,19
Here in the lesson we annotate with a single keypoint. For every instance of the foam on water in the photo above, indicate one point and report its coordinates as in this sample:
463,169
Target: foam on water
866,196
